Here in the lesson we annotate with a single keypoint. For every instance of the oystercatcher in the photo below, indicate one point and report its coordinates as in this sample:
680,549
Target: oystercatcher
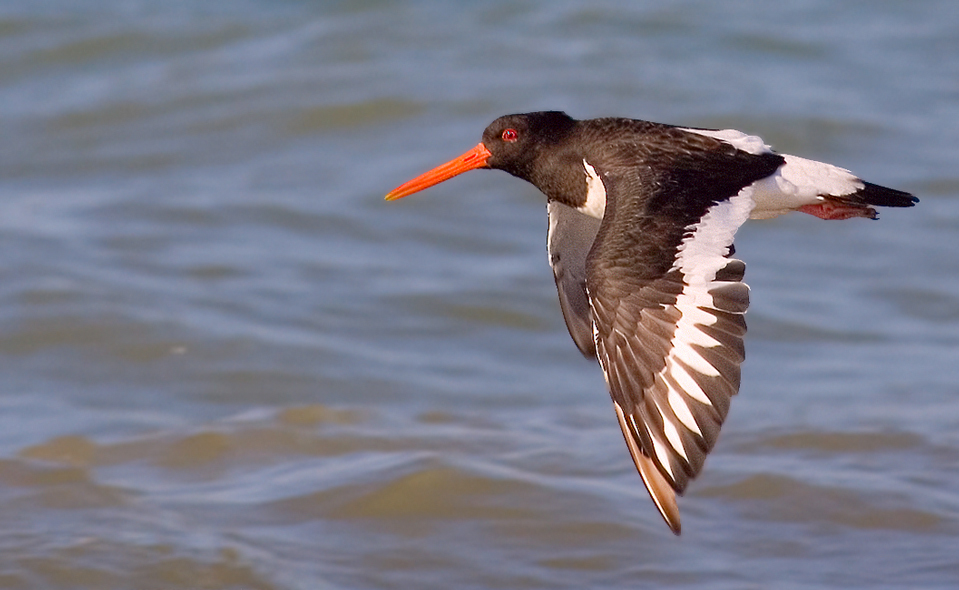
641,223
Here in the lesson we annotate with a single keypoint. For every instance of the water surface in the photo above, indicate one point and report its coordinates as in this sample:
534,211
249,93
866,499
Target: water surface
227,363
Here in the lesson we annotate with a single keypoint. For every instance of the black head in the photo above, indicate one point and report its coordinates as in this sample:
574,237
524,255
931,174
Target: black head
514,143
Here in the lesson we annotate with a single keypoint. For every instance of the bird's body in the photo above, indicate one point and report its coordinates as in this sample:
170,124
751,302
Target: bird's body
641,224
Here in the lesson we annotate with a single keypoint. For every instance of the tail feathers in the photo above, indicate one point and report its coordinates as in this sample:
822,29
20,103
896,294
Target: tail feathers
880,196
859,203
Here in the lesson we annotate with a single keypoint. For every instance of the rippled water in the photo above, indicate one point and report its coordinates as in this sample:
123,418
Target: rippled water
227,363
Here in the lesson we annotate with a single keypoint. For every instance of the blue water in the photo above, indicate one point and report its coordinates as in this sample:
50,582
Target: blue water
227,363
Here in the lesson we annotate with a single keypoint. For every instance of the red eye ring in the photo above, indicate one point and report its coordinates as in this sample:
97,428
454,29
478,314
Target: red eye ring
510,135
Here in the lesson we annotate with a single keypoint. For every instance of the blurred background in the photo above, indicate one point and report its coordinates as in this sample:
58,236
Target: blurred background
225,362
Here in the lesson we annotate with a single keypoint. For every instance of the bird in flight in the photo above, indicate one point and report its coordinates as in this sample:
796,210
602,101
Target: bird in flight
642,218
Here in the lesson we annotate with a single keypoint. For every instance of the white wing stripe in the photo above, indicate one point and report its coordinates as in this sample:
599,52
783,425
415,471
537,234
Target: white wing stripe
739,140
702,252
672,435
662,456
700,256
685,382
683,351
692,314
696,336
679,407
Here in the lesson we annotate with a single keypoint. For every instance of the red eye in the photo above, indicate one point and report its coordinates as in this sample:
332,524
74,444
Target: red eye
510,135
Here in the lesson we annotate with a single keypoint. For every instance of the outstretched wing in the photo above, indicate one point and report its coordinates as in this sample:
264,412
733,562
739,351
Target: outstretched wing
670,350
571,235
668,302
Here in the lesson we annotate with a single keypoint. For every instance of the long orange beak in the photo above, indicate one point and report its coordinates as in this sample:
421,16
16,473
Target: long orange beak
471,160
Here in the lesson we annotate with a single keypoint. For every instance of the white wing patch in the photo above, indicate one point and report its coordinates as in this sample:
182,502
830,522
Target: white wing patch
595,205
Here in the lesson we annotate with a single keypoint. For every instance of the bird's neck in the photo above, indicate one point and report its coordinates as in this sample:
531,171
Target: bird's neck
569,178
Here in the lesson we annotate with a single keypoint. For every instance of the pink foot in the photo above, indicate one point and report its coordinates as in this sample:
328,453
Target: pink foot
834,210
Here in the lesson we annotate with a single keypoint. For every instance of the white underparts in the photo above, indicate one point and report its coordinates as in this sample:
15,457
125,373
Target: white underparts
595,205
798,182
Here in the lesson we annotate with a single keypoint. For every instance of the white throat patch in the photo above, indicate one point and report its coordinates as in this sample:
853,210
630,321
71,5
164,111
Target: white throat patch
595,205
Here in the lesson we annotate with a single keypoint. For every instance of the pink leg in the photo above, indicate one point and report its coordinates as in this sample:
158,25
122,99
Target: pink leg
835,210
